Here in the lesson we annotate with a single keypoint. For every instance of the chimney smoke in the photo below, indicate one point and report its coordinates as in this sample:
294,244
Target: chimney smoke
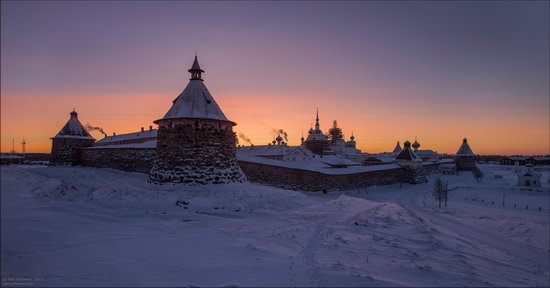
92,128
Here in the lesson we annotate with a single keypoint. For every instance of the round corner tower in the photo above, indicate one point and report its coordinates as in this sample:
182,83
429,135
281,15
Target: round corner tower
67,143
195,142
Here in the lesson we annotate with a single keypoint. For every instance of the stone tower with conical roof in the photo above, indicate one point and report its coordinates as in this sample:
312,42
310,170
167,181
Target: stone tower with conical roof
195,143
465,158
67,143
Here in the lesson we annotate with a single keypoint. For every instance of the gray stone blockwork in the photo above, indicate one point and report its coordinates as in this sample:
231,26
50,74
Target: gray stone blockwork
127,159
195,151
66,151
465,163
304,180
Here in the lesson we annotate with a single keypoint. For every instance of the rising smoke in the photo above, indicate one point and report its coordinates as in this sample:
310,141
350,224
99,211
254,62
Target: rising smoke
280,132
92,128
245,139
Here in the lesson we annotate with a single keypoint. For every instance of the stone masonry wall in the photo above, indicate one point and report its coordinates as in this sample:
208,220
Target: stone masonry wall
66,151
465,163
296,179
195,151
127,159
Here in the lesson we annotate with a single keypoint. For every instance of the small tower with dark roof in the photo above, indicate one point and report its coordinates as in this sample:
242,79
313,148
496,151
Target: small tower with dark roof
407,157
351,143
195,143
397,149
415,145
67,143
465,158
316,141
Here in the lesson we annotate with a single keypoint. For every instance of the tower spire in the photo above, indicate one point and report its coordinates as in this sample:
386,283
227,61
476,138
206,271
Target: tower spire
317,128
195,70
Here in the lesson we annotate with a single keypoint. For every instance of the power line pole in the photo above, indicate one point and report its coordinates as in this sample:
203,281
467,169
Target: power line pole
23,143
12,146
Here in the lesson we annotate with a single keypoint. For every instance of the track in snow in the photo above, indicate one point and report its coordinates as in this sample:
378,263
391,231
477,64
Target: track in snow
412,200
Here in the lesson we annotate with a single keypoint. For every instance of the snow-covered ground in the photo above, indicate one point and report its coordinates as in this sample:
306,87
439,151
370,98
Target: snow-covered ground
74,226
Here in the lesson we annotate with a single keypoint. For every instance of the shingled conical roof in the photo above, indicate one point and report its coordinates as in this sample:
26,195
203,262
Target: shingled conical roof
195,101
73,129
465,149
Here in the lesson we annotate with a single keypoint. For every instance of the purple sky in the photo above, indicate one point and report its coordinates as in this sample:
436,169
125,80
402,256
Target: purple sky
486,58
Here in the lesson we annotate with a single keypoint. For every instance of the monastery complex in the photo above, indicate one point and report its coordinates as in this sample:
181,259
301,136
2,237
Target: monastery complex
195,144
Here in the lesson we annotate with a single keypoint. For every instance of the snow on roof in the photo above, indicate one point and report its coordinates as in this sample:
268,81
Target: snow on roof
11,156
316,135
465,149
302,149
263,150
521,158
73,129
316,164
334,160
195,102
397,148
425,152
151,144
385,159
407,154
129,136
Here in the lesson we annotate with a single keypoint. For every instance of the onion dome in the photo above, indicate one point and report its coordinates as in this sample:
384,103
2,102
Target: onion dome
279,139
415,145
407,154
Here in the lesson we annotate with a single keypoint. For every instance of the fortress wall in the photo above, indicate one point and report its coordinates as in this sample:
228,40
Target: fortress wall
127,159
67,151
195,151
303,180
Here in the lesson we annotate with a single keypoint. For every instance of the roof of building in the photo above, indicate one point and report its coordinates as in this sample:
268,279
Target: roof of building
316,136
151,144
263,150
407,154
301,149
11,156
425,152
195,65
415,144
334,160
129,136
465,149
397,148
73,129
195,101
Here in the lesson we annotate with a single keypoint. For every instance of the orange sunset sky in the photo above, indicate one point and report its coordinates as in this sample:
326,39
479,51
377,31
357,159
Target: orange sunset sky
388,72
